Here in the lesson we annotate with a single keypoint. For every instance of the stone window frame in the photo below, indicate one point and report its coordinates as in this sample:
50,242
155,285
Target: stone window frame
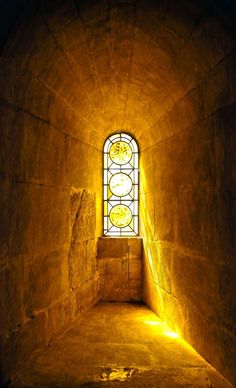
131,200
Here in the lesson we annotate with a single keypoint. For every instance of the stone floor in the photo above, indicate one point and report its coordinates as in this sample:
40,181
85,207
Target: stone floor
119,344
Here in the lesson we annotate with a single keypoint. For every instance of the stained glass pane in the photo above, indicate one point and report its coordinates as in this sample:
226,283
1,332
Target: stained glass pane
121,180
120,216
120,152
120,184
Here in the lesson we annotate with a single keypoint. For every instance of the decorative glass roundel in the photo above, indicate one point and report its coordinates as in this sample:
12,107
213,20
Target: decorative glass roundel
120,152
120,216
120,184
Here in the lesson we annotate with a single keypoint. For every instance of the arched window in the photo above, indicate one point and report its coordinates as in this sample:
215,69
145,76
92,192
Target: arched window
120,185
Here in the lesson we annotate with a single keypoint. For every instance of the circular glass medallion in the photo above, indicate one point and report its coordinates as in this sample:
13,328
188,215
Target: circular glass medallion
120,184
120,152
120,216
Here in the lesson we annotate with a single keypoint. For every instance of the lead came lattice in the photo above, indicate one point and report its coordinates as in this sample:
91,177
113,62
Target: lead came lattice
121,185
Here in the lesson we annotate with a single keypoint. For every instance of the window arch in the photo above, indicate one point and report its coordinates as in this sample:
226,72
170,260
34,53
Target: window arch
120,185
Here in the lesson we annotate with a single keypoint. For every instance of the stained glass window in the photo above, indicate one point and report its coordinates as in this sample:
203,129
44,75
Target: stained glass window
120,185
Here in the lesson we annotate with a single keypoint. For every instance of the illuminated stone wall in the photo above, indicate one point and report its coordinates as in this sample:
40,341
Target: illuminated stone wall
188,217
120,268
73,72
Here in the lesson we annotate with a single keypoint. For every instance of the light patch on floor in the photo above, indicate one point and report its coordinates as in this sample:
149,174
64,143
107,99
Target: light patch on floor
120,374
119,344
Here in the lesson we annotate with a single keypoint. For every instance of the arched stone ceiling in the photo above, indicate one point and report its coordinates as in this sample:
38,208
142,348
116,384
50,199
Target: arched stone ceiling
113,64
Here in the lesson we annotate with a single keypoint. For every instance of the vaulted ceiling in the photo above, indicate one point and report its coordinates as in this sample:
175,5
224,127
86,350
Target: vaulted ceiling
114,64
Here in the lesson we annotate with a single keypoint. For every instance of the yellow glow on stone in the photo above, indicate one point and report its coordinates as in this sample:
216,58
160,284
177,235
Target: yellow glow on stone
162,326
120,216
171,334
153,323
120,152
120,184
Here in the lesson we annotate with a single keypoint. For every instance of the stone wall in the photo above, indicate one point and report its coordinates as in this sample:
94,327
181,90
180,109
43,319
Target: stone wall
73,72
48,236
188,218
50,206
120,268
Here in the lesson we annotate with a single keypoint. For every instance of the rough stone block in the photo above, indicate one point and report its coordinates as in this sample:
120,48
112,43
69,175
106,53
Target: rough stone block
58,15
221,227
5,220
60,315
200,168
102,248
88,295
118,247
80,162
227,290
18,346
213,344
169,308
150,260
77,264
183,22
195,281
41,288
6,122
146,211
216,90
135,269
84,224
96,13
120,268
40,219
57,74
217,39
25,91
191,222
166,157
135,248
146,166
11,294
164,218
91,258
191,58
42,158
164,266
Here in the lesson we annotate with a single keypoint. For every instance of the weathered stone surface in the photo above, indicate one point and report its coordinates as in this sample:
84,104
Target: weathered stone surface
110,336
195,281
88,295
81,175
219,41
59,14
6,121
183,22
216,339
120,268
5,224
39,219
42,157
73,73
171,309
21,88
135,248
82,265
19,345
11,294
84,218
165,215
59,316
41,289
